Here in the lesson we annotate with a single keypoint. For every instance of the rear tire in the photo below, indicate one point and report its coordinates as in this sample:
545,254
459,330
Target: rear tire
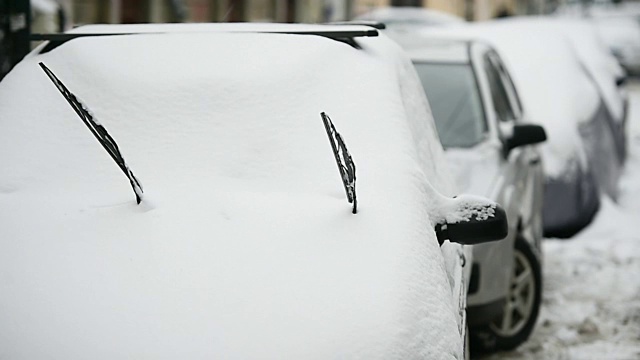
521,309
467,349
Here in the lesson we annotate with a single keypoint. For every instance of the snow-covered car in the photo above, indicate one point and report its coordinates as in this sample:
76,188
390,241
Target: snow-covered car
618,26
604,70
241,242
479,118
408,19
582,158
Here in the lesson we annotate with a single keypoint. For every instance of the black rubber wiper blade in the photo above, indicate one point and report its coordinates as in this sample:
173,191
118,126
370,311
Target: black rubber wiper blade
346,166
98,131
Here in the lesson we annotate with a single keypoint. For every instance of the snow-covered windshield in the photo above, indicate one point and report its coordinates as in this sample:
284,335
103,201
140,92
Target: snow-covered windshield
453,94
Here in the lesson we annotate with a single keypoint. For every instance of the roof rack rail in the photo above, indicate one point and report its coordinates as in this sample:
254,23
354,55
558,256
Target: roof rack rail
371,23
346,36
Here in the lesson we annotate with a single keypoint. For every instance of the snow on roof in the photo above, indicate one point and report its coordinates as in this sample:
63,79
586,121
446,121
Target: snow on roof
411,16
244,245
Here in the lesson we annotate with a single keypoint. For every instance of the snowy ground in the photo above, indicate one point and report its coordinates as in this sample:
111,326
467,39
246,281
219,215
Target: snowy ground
591,305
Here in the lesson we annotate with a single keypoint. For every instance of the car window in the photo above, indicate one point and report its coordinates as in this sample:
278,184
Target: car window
514,100
455,102
499,94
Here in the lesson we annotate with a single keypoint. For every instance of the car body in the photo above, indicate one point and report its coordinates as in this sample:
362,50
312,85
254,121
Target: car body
478,115
582,157
240,243
408,19
617,24
605,72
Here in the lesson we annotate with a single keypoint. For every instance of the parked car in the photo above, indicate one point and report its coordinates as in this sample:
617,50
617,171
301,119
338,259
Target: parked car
480,121
241,242
409,19
605,72
582,157
617,24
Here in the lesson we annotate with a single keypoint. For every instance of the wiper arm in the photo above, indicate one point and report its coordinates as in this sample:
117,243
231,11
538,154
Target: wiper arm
346,166
98,131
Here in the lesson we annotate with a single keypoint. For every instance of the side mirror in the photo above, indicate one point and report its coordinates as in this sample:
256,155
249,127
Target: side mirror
477,224
621,80
525,134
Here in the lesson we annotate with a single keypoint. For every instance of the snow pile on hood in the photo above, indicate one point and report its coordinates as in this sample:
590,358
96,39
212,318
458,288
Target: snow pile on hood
554,89
244,246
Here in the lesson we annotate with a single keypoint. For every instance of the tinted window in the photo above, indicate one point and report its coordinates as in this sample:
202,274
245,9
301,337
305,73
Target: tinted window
453,94
498,93
516,105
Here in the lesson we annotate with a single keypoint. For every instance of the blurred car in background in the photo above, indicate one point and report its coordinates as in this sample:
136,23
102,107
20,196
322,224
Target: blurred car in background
618,26
242,243
480,121
622,34
603,69
409,19
582,158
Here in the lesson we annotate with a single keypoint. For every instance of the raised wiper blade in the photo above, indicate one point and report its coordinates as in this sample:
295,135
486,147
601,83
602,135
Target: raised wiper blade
98,131
345,163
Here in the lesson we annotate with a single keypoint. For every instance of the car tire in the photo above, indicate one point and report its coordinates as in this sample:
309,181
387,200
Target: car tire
467,349
521,308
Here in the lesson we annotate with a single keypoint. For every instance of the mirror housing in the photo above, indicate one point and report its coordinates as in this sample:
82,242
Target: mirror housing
621,80
525,134
477,229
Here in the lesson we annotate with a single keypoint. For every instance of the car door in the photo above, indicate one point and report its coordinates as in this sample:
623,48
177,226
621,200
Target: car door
522,166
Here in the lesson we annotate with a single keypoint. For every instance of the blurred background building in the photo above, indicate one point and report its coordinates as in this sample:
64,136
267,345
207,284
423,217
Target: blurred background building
137,11
20,17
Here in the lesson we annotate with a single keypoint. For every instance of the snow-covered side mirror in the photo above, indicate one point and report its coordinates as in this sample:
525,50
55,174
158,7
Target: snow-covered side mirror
470,220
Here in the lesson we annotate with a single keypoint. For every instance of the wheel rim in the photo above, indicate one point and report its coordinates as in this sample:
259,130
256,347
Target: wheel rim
519,305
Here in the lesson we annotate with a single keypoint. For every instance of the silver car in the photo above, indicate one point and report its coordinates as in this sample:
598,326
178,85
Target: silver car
480,122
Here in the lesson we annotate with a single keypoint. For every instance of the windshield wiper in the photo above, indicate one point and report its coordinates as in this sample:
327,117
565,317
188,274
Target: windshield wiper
98,131
346,166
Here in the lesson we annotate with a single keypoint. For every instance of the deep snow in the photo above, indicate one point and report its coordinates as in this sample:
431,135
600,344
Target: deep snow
591,300
244,246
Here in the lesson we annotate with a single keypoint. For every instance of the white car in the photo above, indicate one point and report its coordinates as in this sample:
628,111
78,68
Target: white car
409,19
480,120
229,232
617,24
582,157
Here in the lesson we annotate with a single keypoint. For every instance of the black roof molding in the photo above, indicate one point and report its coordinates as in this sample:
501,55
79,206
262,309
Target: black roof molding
374,24
346,36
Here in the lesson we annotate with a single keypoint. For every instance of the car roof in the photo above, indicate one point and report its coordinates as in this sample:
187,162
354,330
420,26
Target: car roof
344,33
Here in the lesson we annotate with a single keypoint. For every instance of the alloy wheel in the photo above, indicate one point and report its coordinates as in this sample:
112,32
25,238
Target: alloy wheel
519,305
